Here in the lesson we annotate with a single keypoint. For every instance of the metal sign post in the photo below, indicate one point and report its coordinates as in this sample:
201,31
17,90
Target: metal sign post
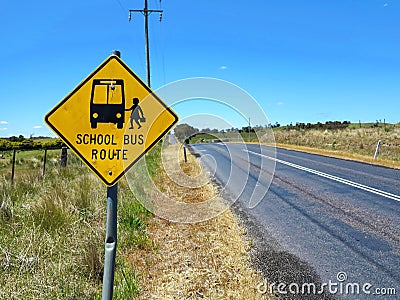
110,244
111,120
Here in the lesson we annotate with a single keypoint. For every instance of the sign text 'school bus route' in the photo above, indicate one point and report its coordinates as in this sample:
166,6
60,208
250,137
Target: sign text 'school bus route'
111,119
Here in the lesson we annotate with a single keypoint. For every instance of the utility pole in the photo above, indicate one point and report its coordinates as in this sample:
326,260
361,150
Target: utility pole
146,12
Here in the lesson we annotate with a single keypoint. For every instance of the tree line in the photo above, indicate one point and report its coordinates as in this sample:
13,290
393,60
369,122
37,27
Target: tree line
21,142
330,125
185,131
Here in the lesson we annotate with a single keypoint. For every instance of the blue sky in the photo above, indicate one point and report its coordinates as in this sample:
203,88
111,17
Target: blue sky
303,61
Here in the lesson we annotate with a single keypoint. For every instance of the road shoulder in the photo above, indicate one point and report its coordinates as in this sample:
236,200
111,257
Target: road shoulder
208,260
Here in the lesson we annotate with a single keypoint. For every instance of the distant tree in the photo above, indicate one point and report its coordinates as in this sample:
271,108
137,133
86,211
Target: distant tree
53,144
183,131
5,144
214,130
329,125
28,144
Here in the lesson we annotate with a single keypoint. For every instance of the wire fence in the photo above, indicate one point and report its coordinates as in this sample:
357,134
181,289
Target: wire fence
21,162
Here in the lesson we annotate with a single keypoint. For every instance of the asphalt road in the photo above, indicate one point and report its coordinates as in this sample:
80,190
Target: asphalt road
319,219
172,139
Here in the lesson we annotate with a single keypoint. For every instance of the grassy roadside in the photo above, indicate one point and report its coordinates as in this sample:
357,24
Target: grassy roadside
342,155
29,161
52,242
207,260
52,235
351,143
356,142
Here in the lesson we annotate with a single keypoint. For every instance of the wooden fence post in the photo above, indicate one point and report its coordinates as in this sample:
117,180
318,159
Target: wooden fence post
64,157
13,166
44,161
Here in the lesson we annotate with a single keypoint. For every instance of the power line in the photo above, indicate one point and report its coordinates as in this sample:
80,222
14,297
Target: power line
160,49
120,5
146,12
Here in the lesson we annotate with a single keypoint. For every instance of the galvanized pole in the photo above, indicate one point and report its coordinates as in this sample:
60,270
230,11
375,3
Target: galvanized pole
110,244
116,53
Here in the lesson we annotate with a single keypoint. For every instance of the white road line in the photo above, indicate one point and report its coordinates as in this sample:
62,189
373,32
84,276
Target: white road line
332,177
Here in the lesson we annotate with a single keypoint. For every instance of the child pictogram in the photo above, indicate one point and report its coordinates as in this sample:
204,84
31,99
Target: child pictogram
137,114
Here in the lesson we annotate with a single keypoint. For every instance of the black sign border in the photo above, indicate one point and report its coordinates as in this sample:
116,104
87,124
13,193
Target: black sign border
87,79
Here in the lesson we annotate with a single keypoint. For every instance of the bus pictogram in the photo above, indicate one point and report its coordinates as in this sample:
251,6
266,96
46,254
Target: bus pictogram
107,102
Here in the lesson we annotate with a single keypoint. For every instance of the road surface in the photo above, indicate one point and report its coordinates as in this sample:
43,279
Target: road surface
172,139
323,220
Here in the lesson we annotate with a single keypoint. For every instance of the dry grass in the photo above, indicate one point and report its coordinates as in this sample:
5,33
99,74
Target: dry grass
355,144
51,241
52,235
342,155
208,260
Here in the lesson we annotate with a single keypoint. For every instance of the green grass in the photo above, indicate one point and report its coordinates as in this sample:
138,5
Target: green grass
44,239
126,282
52,232
133,220
29,161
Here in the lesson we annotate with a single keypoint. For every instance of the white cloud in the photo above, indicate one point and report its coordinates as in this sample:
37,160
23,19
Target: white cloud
386,4
3,129
280,103
3,122
38,126
223,67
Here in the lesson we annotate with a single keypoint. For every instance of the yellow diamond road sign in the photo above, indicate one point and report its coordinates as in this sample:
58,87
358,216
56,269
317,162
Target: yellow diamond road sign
111,119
